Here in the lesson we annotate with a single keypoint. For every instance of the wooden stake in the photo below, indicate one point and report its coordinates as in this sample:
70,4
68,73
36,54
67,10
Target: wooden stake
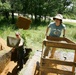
73,68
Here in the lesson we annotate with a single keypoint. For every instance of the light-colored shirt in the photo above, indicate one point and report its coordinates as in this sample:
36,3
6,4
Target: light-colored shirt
21,42
56,30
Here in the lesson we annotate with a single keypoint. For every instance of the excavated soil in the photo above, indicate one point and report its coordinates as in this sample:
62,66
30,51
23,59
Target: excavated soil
29,68
3,45
59,54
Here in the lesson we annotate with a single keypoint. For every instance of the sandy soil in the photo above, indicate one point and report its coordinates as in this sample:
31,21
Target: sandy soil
59,54
3,45
11,68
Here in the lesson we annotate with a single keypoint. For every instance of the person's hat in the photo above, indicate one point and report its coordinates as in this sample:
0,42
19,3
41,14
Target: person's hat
17,33
58,16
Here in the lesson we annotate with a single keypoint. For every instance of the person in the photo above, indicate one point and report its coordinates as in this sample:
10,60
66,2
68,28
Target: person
20,51
56,28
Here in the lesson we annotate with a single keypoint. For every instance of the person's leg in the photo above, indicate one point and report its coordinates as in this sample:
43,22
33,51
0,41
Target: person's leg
21,63
46,51
20,60
52,52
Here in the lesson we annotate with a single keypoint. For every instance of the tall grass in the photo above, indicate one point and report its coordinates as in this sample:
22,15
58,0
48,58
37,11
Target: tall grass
70,15
71,31
35,35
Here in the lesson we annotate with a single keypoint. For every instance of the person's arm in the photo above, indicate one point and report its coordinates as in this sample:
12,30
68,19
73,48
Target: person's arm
21,42
46,31
64,33
13,49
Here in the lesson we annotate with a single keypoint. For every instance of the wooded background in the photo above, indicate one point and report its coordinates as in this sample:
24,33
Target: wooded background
37,8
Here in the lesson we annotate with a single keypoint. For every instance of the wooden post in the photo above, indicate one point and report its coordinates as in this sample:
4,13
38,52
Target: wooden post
73,68
45,65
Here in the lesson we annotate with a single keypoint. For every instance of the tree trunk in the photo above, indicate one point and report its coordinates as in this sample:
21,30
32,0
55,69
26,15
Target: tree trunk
35,18
7,15
39,18
13,20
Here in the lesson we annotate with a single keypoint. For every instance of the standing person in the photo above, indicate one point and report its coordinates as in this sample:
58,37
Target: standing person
56,28
20,51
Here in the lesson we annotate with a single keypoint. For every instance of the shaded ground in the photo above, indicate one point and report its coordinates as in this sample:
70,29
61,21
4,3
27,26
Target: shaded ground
59,54
10,69
3,45
29,68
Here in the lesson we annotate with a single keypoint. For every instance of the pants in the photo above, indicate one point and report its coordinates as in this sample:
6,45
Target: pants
47,49
20,61
20,55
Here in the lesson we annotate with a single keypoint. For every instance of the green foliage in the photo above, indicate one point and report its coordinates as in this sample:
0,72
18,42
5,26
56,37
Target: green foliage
0,5
74,36
23,36
39,8
34,36
18,5
5,6
71,31
69,16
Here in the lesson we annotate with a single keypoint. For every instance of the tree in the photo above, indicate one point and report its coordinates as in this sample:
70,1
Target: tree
16,6
5,8
74,6
38,8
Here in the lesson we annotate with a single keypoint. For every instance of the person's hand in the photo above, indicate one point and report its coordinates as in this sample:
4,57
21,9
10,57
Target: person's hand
13,49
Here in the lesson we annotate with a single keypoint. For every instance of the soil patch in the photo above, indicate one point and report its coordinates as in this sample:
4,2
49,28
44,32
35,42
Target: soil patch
59,54
3,45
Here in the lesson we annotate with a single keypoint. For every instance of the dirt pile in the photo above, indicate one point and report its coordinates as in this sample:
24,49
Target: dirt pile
3,45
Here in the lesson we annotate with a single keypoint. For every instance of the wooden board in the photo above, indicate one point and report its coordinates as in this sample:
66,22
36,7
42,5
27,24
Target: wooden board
59,45
55,38
59,39
69,41
73,68
48,62
57,71
58,42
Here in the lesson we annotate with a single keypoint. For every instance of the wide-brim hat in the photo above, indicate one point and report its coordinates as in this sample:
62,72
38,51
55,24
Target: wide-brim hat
58,16
17,33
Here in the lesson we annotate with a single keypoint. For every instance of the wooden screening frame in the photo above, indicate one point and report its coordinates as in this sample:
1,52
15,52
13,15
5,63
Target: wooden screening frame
13,40
45,64
23,22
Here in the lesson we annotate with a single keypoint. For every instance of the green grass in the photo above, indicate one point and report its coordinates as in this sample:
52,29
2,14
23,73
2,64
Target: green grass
71,31
35,35
70,15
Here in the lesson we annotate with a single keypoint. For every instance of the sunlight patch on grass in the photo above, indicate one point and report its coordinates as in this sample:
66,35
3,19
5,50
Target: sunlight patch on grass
34,37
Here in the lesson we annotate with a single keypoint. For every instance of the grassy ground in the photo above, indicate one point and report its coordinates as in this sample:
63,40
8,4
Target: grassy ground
70,16
35,35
